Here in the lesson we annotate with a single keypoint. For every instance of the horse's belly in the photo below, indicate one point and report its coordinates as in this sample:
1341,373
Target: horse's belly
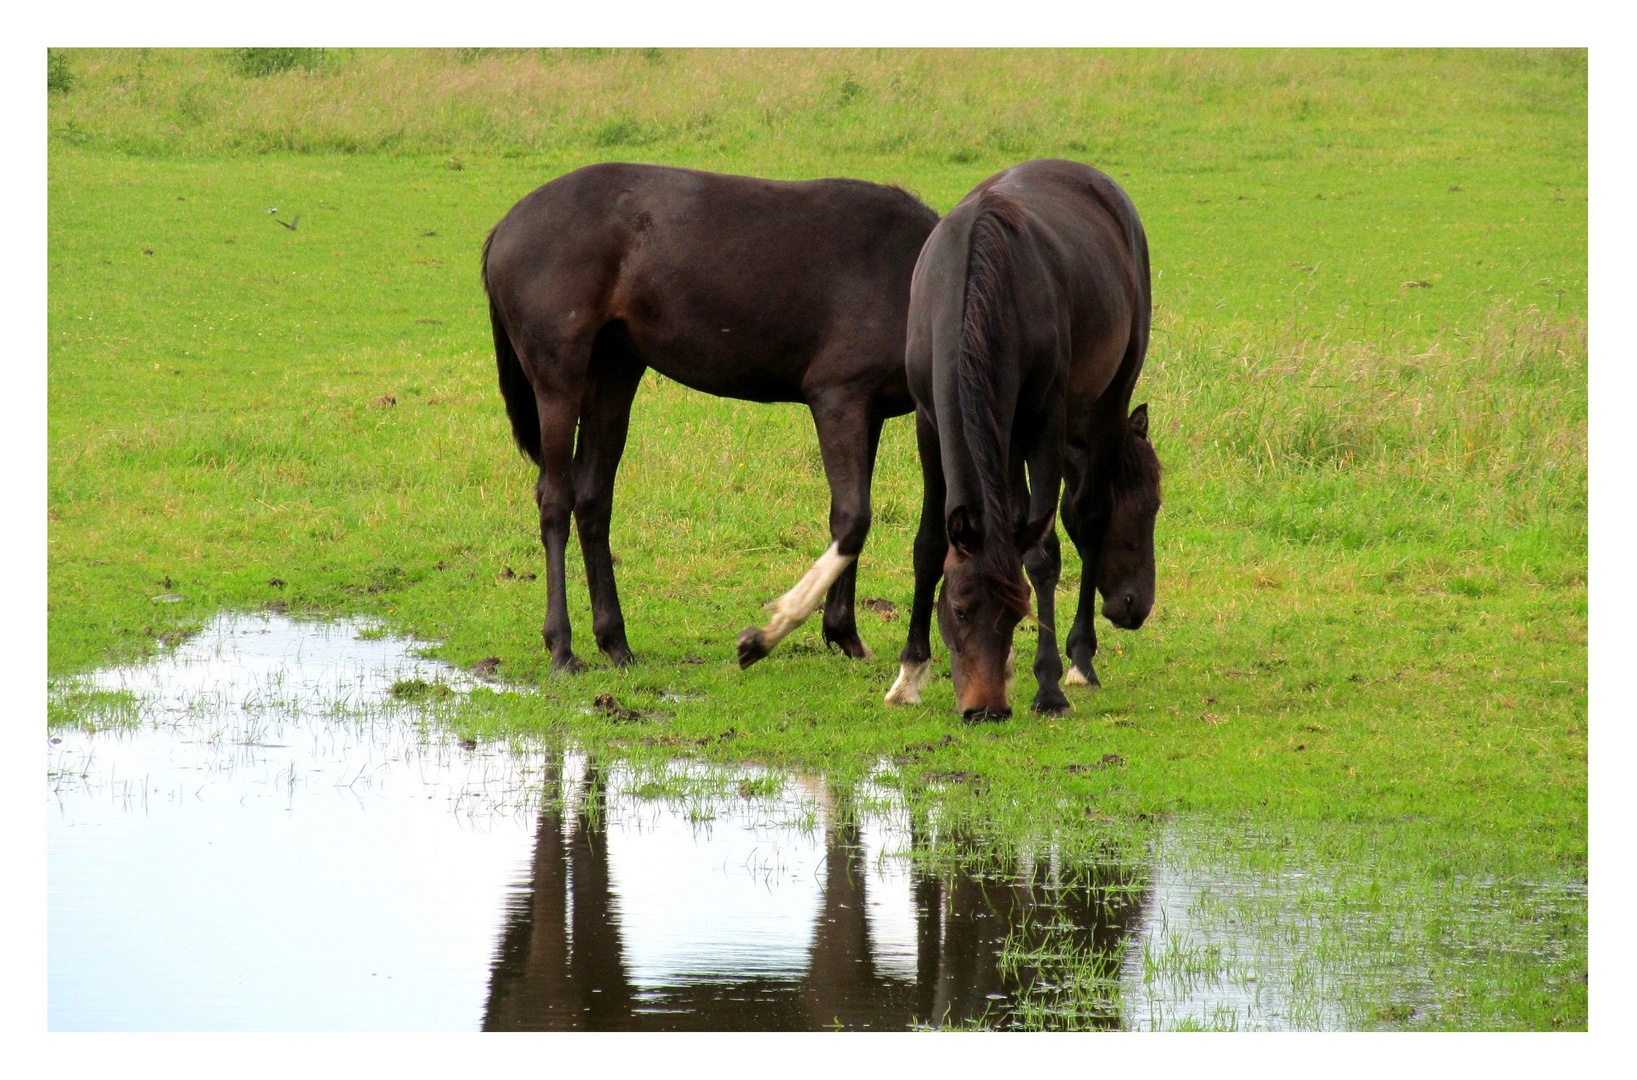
723,376
705,336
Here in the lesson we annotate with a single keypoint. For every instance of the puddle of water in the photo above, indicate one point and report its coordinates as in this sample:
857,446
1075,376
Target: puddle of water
264,840
246,857
1190,970
271,846
793,910
1241,932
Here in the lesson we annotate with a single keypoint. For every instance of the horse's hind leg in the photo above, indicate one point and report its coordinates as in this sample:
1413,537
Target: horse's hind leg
844,428
555,357
605,416
554,492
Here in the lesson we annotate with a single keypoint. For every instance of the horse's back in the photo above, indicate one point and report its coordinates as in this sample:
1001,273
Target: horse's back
731,284
667,220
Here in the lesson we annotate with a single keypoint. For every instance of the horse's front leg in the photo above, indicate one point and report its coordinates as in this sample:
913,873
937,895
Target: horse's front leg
931,545
1045,566
840,625
847,439
1086,533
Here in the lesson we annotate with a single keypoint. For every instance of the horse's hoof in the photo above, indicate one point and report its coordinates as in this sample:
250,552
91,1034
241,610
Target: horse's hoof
622,658
1052,703
569,665
912,679
1076,677
850,646
752,646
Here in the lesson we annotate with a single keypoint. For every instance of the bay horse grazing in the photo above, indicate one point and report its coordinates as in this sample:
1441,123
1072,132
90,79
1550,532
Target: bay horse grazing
1028,323
763,290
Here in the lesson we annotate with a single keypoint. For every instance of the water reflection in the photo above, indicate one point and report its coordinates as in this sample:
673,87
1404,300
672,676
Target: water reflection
267,843
251,835
263,841
886,945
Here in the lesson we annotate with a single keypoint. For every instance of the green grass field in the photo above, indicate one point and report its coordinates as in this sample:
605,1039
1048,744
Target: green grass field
1368,385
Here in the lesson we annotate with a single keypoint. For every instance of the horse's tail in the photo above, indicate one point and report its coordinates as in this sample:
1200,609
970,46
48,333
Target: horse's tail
514,384
984,327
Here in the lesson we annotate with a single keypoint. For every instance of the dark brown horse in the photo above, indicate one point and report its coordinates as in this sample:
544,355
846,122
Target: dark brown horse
1029,318
763,290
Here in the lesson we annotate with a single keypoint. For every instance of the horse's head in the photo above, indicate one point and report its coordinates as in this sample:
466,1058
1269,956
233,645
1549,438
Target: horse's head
984,596
1125,572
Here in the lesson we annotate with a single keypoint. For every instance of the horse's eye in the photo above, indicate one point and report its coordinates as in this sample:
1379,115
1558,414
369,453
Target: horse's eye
960,612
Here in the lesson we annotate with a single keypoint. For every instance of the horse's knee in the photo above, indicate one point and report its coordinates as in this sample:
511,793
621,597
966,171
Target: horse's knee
554,521
1043,569
1045,555
930,540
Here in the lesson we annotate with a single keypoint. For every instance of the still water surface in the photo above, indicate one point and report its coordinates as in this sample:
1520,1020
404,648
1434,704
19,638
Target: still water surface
268,841
274,845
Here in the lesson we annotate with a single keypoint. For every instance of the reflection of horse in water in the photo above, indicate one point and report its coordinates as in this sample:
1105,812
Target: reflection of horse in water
561,962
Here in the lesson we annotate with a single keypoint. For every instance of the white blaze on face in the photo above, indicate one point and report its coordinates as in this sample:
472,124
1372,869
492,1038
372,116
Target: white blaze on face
912,679
793,608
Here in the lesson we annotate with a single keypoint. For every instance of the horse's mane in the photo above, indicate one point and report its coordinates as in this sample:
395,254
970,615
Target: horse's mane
1134,472
984,327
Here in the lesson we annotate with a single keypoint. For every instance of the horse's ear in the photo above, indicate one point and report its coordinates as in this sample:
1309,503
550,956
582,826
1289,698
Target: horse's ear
962,533
1031,533
1139,421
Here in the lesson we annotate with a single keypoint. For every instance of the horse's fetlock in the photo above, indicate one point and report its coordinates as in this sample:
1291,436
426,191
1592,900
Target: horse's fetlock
839,621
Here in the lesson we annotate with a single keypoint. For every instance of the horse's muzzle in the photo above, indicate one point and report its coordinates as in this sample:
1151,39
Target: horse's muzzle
1125,611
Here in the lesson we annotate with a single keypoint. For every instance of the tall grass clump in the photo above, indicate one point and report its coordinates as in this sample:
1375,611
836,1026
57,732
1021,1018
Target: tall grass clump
72,703
1502,403
59,77
257,63
1489,424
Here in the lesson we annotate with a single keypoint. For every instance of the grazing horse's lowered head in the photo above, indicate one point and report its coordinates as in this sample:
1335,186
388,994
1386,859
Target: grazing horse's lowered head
1125,567
985,595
